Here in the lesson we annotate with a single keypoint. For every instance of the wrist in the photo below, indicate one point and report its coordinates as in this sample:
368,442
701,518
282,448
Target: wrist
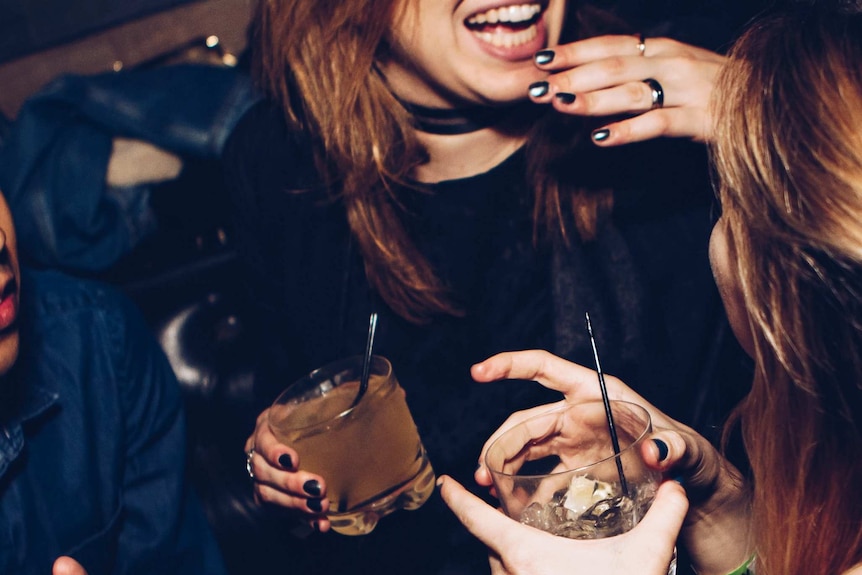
717,533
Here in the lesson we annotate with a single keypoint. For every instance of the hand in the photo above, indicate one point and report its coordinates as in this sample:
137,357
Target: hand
606,75
716,527
67,566
517,549
279,481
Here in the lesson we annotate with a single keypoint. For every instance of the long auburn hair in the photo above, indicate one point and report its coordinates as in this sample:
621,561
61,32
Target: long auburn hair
788,157
318,59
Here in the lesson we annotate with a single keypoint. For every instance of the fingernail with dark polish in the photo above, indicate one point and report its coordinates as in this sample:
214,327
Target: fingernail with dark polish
601,135
565,97
285,461
314,504
543,57
538,89
312,487
662,449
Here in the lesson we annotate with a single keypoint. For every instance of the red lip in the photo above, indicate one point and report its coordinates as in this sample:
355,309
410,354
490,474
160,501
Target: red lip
8,301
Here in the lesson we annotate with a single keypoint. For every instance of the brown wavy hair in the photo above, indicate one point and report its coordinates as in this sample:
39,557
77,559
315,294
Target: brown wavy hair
788,156
318,59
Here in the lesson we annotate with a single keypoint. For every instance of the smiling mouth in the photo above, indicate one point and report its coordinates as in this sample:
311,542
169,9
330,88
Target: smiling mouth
507,26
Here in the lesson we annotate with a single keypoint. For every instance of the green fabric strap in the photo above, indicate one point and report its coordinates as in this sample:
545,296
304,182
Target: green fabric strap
746,568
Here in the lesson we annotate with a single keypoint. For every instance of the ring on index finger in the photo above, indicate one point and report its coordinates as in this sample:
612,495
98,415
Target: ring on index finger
657,93
641,44
248,465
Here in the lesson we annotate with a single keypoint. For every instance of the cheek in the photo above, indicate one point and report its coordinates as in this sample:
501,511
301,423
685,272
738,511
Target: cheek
728,287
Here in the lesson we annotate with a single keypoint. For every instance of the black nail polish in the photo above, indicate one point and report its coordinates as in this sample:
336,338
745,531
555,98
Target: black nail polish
312,487
543,57
662,449
314,504
285,461
601,135
538,89
565,97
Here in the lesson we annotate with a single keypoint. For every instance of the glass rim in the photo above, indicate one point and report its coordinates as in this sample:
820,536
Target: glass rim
332,367
635,441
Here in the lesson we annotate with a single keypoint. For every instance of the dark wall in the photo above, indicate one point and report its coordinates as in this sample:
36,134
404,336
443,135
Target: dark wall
30,25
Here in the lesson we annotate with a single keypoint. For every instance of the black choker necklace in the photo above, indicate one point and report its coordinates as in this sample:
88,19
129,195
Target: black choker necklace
450,121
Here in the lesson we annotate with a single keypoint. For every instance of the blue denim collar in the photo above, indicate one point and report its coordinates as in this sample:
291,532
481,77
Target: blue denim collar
36,400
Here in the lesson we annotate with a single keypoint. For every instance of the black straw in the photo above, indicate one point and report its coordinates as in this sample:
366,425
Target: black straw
366,360
611,427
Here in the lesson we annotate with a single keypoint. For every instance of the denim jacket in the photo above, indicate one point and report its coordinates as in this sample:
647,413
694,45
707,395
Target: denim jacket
54,158
92,448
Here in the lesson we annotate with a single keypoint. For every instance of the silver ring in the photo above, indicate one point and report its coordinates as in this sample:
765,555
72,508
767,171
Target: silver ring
641,44
657,93
248,466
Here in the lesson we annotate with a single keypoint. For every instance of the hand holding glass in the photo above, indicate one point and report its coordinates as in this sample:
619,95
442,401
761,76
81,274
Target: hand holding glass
558,471
370,455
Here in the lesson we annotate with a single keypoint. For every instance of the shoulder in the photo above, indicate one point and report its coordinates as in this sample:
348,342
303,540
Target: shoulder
262,137
77,332
264,157
49,293
263,123
69,312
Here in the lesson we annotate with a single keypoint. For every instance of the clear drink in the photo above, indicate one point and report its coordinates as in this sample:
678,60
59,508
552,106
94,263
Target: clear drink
370,456
558,471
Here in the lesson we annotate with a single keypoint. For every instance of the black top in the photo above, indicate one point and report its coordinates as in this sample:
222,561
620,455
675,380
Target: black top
645,282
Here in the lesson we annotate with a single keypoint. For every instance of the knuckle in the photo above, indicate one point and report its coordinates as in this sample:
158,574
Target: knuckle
265,493
661,122
561,83
621,133
261,418
638,94
615,66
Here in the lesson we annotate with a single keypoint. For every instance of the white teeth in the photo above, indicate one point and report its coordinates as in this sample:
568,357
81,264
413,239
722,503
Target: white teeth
508,14
502,39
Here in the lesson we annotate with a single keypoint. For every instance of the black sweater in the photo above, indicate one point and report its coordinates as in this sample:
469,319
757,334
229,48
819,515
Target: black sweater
645,282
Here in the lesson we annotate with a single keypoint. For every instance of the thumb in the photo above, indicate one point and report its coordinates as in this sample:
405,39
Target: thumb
661,525
67,566
487,524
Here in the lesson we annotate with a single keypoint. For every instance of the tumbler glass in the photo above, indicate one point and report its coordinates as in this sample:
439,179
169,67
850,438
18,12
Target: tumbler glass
558,471
369,454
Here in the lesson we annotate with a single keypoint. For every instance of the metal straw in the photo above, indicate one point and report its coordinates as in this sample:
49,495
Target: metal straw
366,360
611,427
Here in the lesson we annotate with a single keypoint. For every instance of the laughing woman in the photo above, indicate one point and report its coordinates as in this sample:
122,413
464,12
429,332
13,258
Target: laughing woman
787,255
435,161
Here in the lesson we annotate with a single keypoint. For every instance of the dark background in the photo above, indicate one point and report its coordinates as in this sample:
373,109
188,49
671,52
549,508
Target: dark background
30,25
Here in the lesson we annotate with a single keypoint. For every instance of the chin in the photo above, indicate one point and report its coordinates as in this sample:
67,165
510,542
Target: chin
510,89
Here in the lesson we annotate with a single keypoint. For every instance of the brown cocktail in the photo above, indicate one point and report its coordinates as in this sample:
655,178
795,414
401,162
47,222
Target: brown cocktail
370,455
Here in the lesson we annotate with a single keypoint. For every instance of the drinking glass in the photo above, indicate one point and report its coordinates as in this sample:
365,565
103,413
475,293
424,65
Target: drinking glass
558,471
370,454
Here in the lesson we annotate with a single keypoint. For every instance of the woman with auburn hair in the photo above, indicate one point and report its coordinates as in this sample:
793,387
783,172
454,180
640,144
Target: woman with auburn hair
435,161
787,256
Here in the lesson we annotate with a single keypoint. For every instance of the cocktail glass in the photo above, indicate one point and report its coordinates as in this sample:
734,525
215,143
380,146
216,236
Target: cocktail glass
370,455
557,471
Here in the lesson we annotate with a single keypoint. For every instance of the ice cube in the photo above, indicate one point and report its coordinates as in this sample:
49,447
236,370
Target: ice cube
584,492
